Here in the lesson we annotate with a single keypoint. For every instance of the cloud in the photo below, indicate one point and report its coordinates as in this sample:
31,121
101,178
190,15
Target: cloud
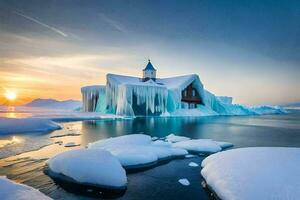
114,24
42,24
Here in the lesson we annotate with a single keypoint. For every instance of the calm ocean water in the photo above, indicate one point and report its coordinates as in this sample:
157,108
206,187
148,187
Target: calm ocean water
243,131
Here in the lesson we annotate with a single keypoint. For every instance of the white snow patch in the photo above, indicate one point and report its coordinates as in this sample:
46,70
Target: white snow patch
199,146
254,173
137,150
175,138
184,182
26,125
10,190
225,145
90,166
193,164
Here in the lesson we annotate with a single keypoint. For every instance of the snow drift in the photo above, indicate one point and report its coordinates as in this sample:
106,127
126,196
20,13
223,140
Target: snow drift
254,173
26,125
10,190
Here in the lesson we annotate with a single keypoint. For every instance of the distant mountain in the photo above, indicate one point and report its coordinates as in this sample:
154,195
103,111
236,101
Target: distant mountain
55,104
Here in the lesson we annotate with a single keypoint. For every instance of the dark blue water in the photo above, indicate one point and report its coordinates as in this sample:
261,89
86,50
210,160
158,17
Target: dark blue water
242,131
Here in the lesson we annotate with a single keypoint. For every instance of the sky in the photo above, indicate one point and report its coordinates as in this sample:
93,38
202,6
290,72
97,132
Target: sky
247,49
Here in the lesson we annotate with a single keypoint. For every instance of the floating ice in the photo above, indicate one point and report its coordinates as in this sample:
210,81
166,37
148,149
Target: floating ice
205,146
89,167
193,164
138,150
15,191
190,156
184,182
71,144
26,125
225,145
254,173
175,138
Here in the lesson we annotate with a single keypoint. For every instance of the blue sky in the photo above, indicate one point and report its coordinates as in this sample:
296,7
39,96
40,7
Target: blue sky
246,49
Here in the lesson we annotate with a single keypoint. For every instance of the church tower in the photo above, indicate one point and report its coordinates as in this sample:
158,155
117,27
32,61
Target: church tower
149,72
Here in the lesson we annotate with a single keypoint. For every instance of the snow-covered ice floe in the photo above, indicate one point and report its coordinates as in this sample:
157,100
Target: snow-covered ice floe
266,173
10,190
26,125
203,146
138,150
90,167
184,181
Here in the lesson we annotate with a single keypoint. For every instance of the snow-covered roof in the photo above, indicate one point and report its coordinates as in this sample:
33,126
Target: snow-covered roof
130,80
92,88
169,83
149,66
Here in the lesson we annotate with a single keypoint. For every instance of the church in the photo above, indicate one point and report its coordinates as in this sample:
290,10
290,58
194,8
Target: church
149,95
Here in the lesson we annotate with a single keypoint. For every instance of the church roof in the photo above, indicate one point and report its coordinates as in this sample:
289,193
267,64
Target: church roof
149,66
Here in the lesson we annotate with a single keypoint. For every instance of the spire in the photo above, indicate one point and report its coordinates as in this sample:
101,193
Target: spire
149,66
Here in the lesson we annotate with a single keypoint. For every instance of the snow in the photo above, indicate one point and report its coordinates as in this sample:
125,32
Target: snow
193,164
184,182
199,146
254,173
138,150
90,167
26,125
15,191
175,138
225,145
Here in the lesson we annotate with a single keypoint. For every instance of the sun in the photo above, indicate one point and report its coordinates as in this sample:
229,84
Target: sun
10,95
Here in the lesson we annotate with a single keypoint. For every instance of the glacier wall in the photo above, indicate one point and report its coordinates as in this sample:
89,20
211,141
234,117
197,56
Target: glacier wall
93,98
121,98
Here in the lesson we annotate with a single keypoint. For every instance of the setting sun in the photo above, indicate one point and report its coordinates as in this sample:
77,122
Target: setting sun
10,95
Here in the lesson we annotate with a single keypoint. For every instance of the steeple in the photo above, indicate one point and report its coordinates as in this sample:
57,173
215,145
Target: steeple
149,72
149,66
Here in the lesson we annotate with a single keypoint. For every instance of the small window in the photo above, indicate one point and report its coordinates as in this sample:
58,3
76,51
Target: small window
185,93
194,92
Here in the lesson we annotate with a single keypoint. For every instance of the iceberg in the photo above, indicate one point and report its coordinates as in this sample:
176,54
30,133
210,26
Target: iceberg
174,96
254,173
15,191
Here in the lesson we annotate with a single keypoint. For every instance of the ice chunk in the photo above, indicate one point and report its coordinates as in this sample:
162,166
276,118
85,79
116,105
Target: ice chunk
138,150
10,190
193,164
175,138
184,182
225,145
190,156
26,125
199,146
89,167
254,173
71,144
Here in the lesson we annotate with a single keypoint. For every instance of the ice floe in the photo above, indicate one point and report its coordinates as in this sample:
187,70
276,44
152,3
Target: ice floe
206,146
193,164
254,173
10,190
26,125
138,150
175,138
93,167
184,182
